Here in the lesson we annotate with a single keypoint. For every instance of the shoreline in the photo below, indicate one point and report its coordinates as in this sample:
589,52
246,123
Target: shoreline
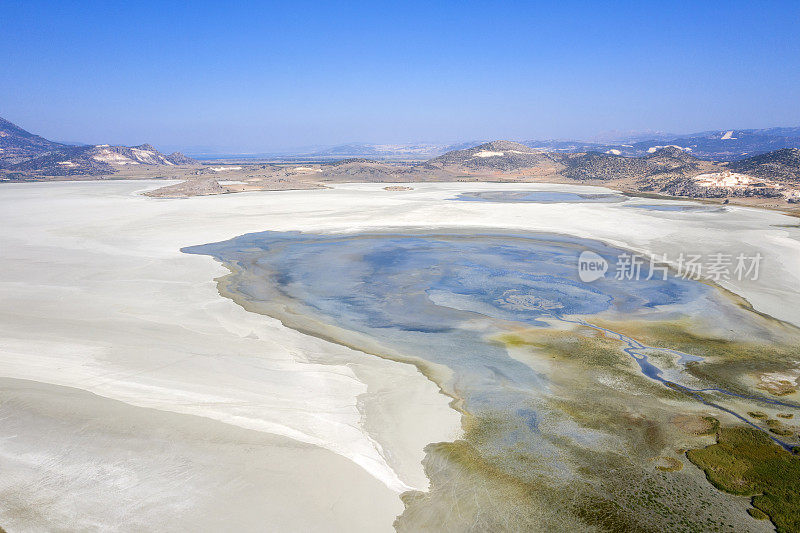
190,191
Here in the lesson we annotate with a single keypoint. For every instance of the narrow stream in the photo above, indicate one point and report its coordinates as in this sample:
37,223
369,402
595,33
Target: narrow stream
637,350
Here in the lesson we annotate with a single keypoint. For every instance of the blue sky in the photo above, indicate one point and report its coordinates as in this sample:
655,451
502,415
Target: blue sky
273,76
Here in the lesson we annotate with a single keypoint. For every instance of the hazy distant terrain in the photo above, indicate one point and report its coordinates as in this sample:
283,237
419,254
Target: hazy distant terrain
722,145
750,166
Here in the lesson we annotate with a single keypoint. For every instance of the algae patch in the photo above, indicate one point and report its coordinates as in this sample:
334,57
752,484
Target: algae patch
746,462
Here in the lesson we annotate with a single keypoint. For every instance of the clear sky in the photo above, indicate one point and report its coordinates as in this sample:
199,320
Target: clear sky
272,76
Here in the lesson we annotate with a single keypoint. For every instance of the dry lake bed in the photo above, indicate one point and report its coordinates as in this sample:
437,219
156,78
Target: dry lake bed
364,359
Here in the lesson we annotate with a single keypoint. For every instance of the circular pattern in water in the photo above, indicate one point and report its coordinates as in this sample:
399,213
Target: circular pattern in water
438,296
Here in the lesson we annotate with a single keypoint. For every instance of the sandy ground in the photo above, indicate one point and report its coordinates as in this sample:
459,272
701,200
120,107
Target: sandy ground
136,395
97,296
74,461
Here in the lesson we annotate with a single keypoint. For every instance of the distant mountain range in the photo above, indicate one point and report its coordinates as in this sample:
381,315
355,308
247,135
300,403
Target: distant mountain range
666,170
24,152
724,145
398,152
747,163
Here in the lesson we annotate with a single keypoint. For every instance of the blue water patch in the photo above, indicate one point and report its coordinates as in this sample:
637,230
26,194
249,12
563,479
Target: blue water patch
678,208
441,297
444,297
541,197
434,282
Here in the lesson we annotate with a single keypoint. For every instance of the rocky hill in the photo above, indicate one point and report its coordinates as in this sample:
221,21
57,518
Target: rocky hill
177,158
502,156
29,154
63,161
602,166
17,145
599,166
781,164
365,170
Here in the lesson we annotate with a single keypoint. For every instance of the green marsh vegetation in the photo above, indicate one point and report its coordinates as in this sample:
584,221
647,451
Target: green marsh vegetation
746,462
476,488
726,360
743,461
618,439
